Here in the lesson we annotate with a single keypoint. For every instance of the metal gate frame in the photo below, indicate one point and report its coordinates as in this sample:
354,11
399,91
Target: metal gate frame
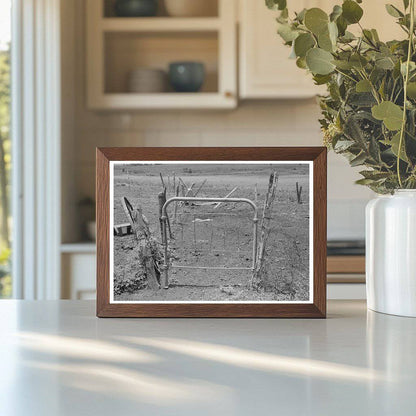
164,221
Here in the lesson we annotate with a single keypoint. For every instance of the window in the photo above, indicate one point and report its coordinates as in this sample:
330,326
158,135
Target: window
5,147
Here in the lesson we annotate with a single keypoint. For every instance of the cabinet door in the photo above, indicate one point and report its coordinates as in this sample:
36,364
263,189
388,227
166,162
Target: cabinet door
376,17
265,68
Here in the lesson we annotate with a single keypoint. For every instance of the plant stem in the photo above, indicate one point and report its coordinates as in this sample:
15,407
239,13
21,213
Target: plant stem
345,75
406,80
373,89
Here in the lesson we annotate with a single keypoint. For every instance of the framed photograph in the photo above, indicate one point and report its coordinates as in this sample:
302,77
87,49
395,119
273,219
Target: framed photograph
211,232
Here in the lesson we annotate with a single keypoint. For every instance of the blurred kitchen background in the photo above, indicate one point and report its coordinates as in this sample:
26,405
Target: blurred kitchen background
118,87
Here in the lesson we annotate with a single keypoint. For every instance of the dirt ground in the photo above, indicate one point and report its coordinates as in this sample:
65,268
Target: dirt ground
220,237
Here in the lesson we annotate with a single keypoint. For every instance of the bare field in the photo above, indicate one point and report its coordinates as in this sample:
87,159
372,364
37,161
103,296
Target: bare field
204,236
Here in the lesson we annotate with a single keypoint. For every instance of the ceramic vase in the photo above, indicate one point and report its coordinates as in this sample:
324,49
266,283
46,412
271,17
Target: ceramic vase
391,253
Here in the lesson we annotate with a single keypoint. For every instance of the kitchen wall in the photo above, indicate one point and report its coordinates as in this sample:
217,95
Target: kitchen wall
255,123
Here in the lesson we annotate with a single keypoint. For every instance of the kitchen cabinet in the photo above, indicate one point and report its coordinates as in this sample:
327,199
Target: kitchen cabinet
265,70
78,263
118,45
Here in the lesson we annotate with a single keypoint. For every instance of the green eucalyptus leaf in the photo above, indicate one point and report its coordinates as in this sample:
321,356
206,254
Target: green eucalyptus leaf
347,37
358,160
381,89
325,42
354,131
333,32
336,12
300,17
316,20
363,86
286,32
405,21
321,79
284,13
412,67
342,25
368,36
343,145
374,175
375,35
374,150
393,11
388,112
358,61
364,182
377,75
283,17
319,61
385,63
394,144
396,71
276,4
343,65
301,63
361,99
411,90
351,11
303,43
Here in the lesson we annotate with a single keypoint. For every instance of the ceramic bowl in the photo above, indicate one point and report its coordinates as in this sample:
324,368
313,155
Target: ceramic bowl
136,8
147,80
186,76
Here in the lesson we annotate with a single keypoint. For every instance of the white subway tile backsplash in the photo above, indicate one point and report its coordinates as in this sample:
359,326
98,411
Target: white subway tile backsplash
173,138
149,120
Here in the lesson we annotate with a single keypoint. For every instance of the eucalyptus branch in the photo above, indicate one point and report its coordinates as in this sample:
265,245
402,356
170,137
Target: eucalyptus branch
398,95
392,90
406,80
373,89
378,121
346,75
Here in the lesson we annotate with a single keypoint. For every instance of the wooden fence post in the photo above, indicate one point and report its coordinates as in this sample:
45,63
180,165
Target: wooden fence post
264,231
160,198
149,253
161,179
299,193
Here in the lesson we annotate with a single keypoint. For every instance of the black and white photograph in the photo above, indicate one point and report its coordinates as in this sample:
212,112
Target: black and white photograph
211,232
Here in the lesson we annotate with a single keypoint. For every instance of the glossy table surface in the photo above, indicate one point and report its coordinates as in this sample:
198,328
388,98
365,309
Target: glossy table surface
56,358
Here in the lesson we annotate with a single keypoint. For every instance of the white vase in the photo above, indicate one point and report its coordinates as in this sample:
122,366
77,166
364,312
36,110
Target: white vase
391,253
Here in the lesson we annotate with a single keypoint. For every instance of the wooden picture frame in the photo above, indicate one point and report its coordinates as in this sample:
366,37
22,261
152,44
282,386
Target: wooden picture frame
316,305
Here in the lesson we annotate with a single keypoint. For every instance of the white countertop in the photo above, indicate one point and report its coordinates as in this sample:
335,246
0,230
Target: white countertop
57,359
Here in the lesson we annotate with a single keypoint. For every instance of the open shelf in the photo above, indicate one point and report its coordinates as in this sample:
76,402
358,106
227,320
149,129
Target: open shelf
127,51
116,46
130,101
80,247
160,24
108,9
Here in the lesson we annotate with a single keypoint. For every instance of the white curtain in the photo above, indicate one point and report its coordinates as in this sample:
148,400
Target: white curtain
36,148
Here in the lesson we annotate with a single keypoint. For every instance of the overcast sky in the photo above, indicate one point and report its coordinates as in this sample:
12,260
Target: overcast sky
4,22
